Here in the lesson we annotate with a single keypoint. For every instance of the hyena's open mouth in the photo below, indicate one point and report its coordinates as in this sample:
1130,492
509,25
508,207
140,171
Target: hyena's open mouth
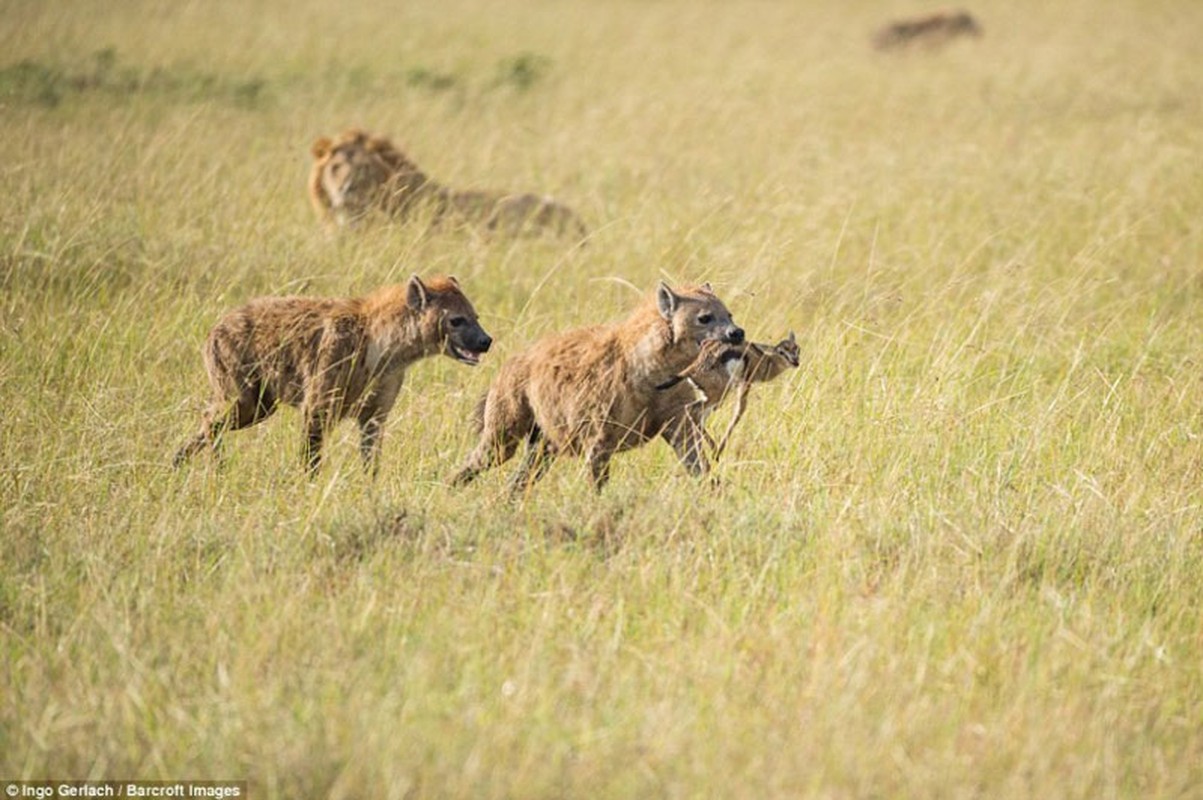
463,355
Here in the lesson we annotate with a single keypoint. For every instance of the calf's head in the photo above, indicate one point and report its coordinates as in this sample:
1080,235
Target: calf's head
788,351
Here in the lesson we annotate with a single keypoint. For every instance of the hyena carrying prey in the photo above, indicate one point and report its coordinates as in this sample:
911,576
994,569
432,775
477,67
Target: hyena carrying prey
334,358
587,391
689,397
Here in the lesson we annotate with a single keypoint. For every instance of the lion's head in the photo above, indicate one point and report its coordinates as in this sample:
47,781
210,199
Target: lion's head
355,173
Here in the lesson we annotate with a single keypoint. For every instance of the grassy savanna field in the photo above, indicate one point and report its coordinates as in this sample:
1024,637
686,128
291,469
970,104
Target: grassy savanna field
958,553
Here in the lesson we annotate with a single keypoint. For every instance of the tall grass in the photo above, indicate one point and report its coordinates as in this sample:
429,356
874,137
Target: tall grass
958,553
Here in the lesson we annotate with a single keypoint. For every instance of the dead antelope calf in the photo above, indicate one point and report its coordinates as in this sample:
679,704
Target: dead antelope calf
679,414
331,357
587,392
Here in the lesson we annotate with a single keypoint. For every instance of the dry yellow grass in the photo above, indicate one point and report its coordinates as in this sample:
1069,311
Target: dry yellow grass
958,553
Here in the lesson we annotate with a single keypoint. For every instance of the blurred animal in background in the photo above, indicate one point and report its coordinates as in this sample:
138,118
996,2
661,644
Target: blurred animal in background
332,357
928,32
357,173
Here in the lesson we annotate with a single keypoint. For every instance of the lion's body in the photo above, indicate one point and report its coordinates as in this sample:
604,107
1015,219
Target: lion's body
587,392
332,358
358,174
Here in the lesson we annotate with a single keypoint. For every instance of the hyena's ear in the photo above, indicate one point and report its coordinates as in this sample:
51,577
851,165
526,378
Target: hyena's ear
453,281
791,338
705,288
416,295
666,300
321,147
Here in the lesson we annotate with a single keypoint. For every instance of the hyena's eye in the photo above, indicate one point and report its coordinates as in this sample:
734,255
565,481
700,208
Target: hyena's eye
705,319
456,322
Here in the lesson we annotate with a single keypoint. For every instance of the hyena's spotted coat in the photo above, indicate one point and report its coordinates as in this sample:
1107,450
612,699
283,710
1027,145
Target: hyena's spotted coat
332,357
588,391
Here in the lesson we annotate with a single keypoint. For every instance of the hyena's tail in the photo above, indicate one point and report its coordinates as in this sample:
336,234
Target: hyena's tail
478,414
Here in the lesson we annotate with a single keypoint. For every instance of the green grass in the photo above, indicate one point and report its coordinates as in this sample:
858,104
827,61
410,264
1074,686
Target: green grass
959,553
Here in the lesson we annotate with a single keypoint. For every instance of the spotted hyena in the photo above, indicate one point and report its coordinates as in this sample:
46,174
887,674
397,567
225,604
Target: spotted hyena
587,392
331,357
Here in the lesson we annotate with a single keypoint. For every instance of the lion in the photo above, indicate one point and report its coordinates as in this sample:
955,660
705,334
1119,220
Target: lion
358,173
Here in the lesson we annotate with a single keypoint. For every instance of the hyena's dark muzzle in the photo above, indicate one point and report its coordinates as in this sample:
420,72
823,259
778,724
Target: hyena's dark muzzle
469,344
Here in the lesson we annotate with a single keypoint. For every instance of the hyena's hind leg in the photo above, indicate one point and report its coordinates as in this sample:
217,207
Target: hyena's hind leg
318,422
597,459
253,405
538,459
489,452
503,427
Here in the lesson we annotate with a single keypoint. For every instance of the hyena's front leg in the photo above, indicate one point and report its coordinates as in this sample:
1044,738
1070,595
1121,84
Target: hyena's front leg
371,424
688,438
371,431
